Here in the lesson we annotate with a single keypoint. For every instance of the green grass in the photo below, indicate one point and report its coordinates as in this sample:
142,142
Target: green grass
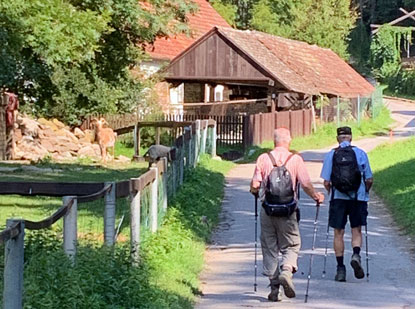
325,135
171,259
394,174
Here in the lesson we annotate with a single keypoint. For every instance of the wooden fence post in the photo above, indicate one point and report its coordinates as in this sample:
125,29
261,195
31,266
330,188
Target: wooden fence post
137,141
165,198
109,214
157,135
191,142
174,175
181,163
154,201
214,138
135,224
70,228
13,269
197,143
204,135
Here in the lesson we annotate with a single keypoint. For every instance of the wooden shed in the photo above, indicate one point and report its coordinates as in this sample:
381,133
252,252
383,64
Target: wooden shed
229,71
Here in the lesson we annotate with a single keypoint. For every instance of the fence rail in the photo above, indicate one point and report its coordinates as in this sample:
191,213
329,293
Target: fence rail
159,183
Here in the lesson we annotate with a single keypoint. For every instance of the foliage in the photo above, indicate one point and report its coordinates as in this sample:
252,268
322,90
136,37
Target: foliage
359,47
69,59
171,258
386,49
226,10
392,165
386,58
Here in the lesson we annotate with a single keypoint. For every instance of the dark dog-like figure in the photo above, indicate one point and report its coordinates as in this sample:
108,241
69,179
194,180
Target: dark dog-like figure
156,152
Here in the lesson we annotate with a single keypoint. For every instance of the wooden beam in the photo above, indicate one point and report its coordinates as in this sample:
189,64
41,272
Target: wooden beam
406,12
226,103
394,22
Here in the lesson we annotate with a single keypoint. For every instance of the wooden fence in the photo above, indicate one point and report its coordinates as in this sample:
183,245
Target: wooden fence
261,127
159,183
248,130
242,130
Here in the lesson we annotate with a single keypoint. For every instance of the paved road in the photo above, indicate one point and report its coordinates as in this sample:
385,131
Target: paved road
227,281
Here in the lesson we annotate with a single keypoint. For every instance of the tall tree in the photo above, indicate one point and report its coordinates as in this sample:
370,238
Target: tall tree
326,23
71,58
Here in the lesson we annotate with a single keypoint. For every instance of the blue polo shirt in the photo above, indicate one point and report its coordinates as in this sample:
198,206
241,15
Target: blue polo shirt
364,167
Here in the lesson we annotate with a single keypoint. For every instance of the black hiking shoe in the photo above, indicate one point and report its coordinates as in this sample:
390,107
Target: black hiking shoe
275,291
286,280
341,274
357,266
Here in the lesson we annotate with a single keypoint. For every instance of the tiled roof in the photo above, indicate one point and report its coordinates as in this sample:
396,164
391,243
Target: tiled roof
201,22
299,66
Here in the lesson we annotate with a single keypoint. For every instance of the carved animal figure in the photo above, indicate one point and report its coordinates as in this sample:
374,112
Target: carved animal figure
105,137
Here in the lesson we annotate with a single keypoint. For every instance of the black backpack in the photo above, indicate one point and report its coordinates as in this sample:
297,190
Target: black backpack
345,175
279,194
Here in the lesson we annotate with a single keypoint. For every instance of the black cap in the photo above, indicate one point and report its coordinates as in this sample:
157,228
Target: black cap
344,131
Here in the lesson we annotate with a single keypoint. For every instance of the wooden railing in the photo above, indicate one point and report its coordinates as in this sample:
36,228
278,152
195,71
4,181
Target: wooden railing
162,180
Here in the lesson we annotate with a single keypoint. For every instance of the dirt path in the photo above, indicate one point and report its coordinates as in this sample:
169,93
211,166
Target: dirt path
229,275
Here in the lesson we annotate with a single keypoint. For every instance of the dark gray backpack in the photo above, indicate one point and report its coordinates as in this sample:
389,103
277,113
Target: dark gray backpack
279,194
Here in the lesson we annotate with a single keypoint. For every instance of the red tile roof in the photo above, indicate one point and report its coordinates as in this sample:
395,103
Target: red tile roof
201,22
299,66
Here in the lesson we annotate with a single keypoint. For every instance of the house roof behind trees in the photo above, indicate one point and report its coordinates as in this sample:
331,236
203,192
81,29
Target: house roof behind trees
201,22
294,65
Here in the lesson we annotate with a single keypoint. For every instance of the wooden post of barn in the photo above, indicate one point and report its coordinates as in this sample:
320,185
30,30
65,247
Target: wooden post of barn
135,221
13,268
154,200
70,228
338,111
109,215
358,109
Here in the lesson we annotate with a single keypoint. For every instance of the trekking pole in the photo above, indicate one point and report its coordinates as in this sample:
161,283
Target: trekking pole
312,249
367,255
325,252
256,236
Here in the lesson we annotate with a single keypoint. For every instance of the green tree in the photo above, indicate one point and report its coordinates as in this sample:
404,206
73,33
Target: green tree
326,23
72,58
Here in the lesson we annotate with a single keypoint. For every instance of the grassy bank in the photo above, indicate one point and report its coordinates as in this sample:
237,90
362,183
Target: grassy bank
394,174
325,135
171,259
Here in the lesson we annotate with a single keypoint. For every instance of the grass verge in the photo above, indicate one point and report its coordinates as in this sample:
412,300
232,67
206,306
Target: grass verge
171,259
394,176
325,135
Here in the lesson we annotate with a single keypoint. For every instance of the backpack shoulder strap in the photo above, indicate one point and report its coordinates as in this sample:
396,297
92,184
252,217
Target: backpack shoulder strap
274,163
289,158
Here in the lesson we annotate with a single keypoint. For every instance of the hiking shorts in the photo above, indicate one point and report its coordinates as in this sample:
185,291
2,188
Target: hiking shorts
341,209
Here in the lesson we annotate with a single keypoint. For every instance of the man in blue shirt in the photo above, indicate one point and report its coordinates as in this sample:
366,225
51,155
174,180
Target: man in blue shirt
343,204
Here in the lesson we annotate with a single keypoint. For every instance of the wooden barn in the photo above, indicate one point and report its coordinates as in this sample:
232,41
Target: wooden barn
230,71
